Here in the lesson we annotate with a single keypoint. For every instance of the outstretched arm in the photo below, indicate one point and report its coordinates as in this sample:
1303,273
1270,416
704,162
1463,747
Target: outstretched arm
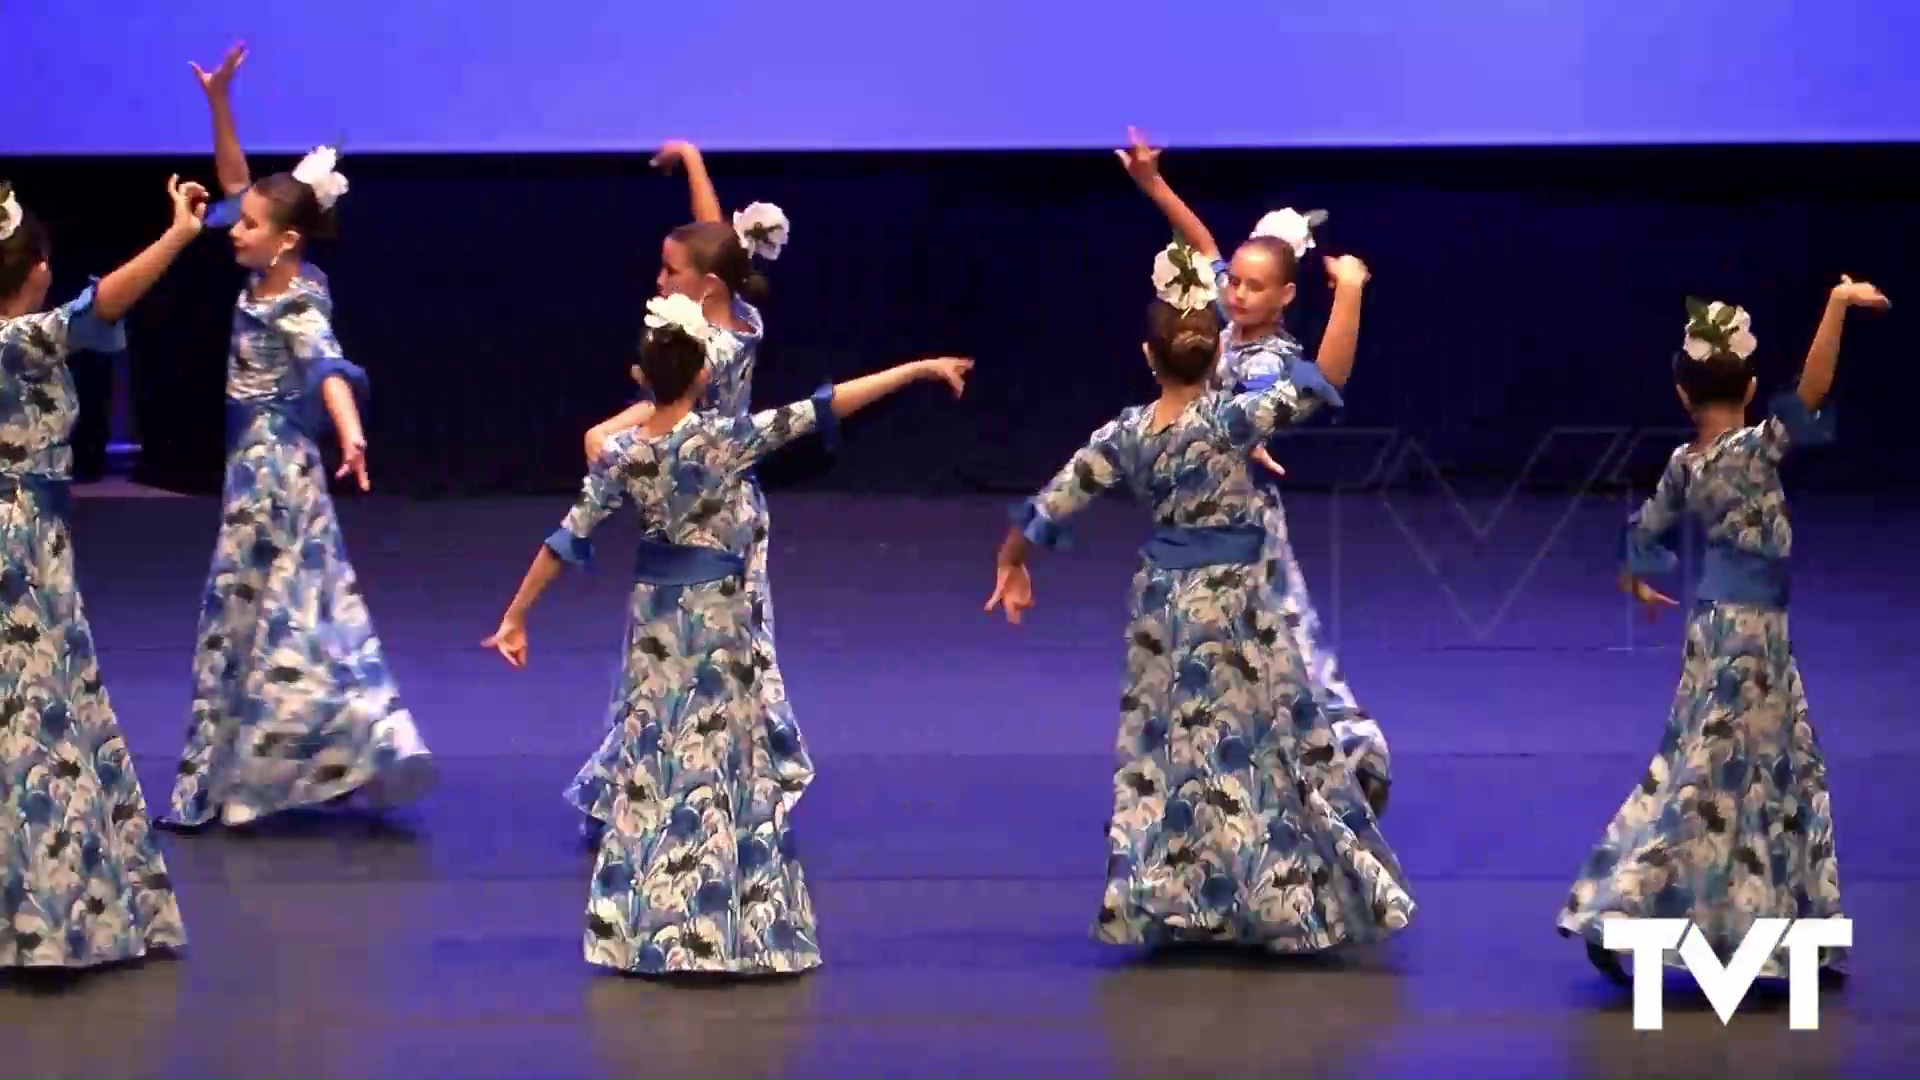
229,163
706,201
1142,162
115,294
764,432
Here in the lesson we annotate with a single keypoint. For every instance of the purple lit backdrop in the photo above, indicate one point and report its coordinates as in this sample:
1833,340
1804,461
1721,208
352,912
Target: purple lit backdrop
570,75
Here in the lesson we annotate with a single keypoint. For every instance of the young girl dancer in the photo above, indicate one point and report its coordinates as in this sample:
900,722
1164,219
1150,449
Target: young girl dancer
696,871
1255,289
293,703
82,881
1731,822
1235,818
711,263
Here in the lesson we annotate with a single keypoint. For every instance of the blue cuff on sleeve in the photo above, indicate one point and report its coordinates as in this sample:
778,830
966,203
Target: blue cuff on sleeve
224,214
569,548
1306,375
1804,426
1643,555
87,332
1037,528
824,420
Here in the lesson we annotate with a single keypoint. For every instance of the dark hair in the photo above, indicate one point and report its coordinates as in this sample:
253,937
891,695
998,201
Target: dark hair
670,360
296,207
714,248
28,247
1182,344
1282,253
1720,379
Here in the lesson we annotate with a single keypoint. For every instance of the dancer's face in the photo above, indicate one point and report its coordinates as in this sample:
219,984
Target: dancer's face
679,278
258,241
1256,292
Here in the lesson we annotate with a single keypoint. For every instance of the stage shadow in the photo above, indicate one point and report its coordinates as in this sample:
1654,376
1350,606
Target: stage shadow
1216,1011
680,1027
113,1020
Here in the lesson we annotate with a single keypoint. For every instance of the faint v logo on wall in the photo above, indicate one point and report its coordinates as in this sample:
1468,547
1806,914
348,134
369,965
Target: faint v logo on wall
1602,455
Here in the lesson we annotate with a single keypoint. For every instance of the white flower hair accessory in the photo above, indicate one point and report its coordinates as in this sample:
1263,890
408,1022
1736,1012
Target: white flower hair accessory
317,171
681,312
1292,228
10,214
1718,329
762,228
1184,278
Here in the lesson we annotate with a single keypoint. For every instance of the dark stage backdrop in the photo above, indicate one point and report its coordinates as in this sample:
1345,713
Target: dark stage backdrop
495,301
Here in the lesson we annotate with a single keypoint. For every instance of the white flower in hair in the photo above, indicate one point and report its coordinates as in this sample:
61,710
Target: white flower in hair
10,214
317,171
1718,328
1292,228
679,311
1183,278
762,228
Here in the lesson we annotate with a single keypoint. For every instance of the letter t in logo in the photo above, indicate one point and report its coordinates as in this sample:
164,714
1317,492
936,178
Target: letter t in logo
1649,940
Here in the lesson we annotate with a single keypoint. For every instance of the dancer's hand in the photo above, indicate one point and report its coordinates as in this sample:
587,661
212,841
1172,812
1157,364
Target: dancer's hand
673,154
1651,599
510,641
1012,589
215,83
1264,459
189,205
596,442
1141,161
1347,271
353,459
951,370
1860,294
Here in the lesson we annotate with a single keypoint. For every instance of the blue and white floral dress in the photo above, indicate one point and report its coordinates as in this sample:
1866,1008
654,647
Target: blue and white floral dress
1731,822
1235,816
82,880
697,870
293,702
730,362
1249,366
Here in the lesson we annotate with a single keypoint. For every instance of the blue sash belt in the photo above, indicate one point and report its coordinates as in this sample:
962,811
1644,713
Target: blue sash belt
48,495
1731,576
1174,548
659,563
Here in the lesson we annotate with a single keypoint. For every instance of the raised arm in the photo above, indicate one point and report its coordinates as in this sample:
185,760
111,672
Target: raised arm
229,163
1142,162
764,432
706,201
1816,377
1348,276
115,294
